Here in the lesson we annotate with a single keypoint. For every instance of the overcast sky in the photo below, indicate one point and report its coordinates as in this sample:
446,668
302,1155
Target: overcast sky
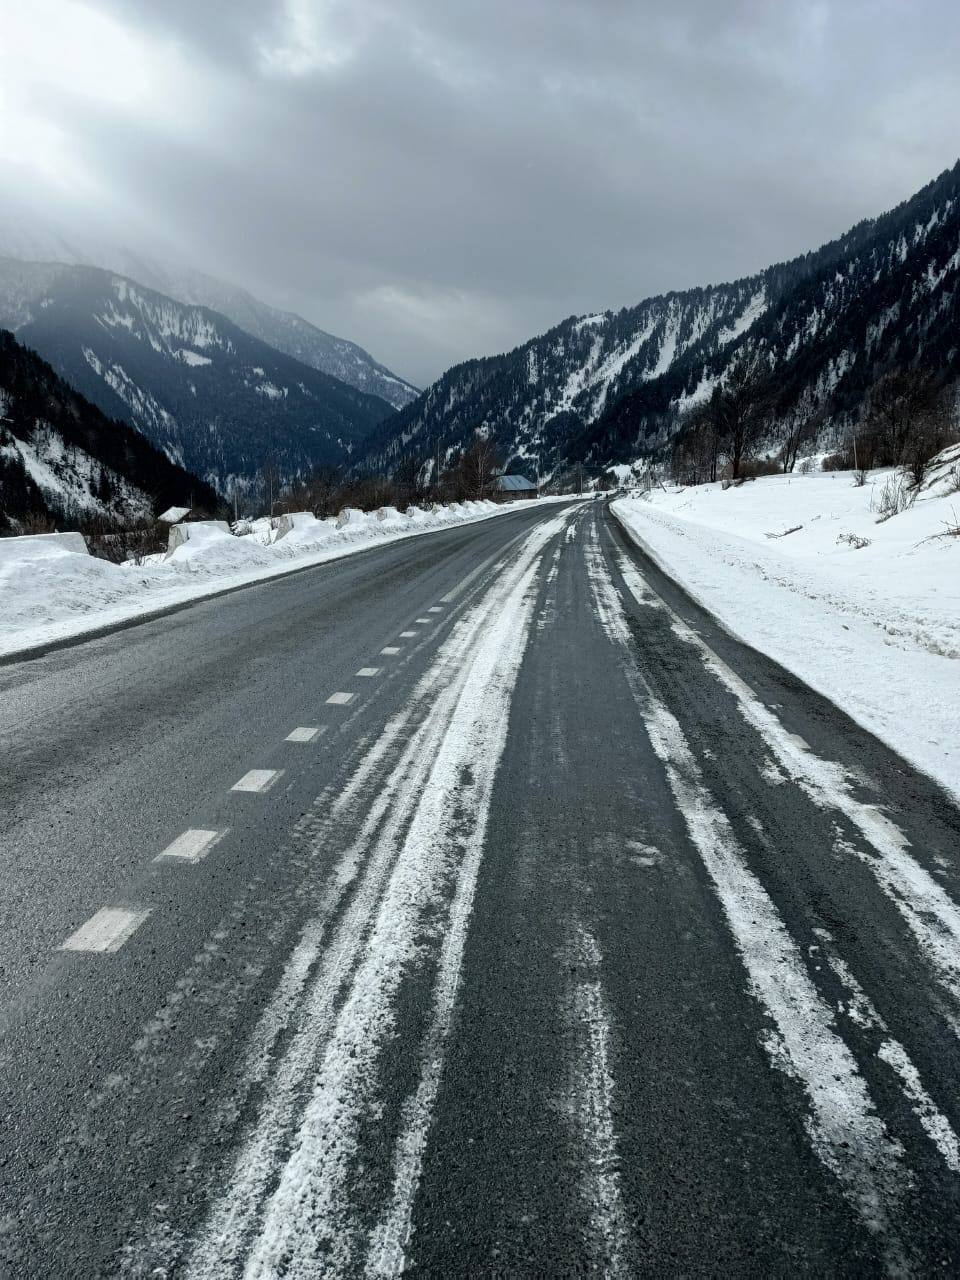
444,178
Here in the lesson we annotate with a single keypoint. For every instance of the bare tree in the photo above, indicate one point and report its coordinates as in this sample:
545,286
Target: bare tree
803,427
408,480
270,480
907,421
932,431
742,405
696,452
478,466
891,407
322,487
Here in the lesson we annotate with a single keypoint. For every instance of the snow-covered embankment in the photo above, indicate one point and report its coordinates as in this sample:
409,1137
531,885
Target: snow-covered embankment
49,593
875,627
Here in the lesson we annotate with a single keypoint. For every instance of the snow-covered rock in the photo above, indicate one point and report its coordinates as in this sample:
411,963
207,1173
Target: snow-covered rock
199,533
296,521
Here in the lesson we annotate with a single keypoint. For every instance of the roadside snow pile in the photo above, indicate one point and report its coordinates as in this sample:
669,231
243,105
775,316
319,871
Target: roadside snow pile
59,594
807,568
40,546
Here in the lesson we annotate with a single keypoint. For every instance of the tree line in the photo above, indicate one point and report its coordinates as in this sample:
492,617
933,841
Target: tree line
907,418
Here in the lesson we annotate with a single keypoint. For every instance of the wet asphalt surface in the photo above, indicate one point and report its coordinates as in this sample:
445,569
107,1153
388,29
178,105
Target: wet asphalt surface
606,1099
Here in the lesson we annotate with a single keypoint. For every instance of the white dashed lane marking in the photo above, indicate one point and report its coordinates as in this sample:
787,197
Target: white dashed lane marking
407,635
193,845
435,608
303,733
108,930
422,621
257,780
368,671
391,649
340,699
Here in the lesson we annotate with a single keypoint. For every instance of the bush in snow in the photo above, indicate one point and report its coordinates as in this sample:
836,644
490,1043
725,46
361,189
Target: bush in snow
854,540
894,497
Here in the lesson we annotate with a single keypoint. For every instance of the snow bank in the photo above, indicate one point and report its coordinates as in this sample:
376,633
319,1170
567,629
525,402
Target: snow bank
197,535
56,595
875,628
41,546
300,522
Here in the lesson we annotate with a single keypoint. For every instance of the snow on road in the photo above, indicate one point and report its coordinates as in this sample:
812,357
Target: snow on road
929,911
875,629
590,1107
843,1126
407,881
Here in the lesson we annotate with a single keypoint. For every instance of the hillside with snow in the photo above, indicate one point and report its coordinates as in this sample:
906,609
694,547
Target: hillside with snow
215,399
32,235
865,608
63,460
614,386
284,330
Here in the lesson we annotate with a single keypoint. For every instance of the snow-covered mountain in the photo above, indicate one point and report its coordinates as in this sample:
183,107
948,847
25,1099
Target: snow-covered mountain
62,458
33,236
214,398
613,386
284,330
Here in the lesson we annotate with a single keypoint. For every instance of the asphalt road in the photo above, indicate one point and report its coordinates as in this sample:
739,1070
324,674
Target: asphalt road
577,938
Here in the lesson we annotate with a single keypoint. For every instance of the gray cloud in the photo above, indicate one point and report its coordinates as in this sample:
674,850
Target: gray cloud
439,180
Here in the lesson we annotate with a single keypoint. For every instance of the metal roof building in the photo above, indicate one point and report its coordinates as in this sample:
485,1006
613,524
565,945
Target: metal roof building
173,515
516,486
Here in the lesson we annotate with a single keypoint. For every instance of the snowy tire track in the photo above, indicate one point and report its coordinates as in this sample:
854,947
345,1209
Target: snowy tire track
845,1131
589,1107
417,885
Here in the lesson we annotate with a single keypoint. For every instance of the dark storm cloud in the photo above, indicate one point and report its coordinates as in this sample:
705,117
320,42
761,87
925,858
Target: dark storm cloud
441,179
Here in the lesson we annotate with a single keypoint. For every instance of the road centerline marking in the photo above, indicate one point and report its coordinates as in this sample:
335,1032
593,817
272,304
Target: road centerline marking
303,733
257,780
368,671
194,844
107,930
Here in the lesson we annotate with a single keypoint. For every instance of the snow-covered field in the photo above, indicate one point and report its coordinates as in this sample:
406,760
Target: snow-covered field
875,628
49,594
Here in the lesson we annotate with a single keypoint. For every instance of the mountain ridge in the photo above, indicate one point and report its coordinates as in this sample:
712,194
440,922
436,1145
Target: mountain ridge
28,235
286,331
214,398
613,386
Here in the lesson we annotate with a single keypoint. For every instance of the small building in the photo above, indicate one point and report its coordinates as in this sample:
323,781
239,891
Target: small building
512,487
173,515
